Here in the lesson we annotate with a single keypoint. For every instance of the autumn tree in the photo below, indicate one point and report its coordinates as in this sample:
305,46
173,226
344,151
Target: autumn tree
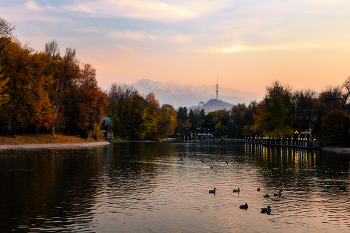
41,108
335,128
6,37
25,87
168,120
149,118
85,102
119,97
304,109
273,116
3,82
328,100
66,73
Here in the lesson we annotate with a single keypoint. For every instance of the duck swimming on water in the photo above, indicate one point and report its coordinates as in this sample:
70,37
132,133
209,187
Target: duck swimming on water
245,206
277,194
236,190
212,191
266,210
267,195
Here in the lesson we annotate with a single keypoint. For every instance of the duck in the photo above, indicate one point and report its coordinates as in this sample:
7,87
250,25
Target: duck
267,195
266,210
277,194
258,189
211,167
180,159
236,190
212,191
245,206
226,162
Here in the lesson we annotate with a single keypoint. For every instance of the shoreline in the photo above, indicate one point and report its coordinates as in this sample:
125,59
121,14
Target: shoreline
340,150
53,146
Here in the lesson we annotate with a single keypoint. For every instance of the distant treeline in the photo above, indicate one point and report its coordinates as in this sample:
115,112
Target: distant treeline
280,114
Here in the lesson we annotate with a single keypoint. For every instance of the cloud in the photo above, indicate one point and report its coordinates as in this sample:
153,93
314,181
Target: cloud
88,30
33,6
239,48
230,49
148,9
129,35
133,9
143,36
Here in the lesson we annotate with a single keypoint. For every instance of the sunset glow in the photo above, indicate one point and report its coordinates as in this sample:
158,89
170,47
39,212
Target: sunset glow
248,44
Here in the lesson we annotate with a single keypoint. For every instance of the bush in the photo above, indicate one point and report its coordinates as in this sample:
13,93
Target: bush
84,133
96,135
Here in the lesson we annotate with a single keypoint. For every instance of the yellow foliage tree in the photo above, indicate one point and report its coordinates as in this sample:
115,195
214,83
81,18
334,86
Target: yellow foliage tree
3,96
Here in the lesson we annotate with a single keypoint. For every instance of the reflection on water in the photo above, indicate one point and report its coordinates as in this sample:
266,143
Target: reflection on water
157,187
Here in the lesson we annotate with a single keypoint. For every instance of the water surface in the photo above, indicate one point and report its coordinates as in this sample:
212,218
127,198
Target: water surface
164,187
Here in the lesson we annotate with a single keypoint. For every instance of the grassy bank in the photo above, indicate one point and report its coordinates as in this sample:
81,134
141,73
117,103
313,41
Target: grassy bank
42,139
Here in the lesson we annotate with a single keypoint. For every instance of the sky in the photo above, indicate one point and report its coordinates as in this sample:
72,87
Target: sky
246,44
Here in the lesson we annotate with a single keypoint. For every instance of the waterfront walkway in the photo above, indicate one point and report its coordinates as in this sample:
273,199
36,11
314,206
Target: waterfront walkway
53,146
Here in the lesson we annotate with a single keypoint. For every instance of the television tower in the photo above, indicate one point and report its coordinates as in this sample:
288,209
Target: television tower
217,86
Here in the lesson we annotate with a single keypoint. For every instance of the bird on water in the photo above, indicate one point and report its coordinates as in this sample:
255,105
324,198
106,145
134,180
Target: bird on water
245,206
277,194
266,210
212,191
236,190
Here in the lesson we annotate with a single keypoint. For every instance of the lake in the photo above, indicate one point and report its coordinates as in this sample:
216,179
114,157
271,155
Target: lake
164,187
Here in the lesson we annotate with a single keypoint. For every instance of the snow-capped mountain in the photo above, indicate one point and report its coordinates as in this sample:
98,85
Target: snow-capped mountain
186,96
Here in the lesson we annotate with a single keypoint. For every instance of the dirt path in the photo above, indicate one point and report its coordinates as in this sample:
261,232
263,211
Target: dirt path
53,146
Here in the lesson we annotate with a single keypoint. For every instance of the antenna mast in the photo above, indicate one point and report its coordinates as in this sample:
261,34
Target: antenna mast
217,86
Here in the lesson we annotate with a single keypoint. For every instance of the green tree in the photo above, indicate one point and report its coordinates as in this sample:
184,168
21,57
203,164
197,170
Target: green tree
208,121
182,119
239,116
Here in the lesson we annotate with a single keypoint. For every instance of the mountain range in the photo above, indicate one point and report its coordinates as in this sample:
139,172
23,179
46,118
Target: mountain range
187,96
